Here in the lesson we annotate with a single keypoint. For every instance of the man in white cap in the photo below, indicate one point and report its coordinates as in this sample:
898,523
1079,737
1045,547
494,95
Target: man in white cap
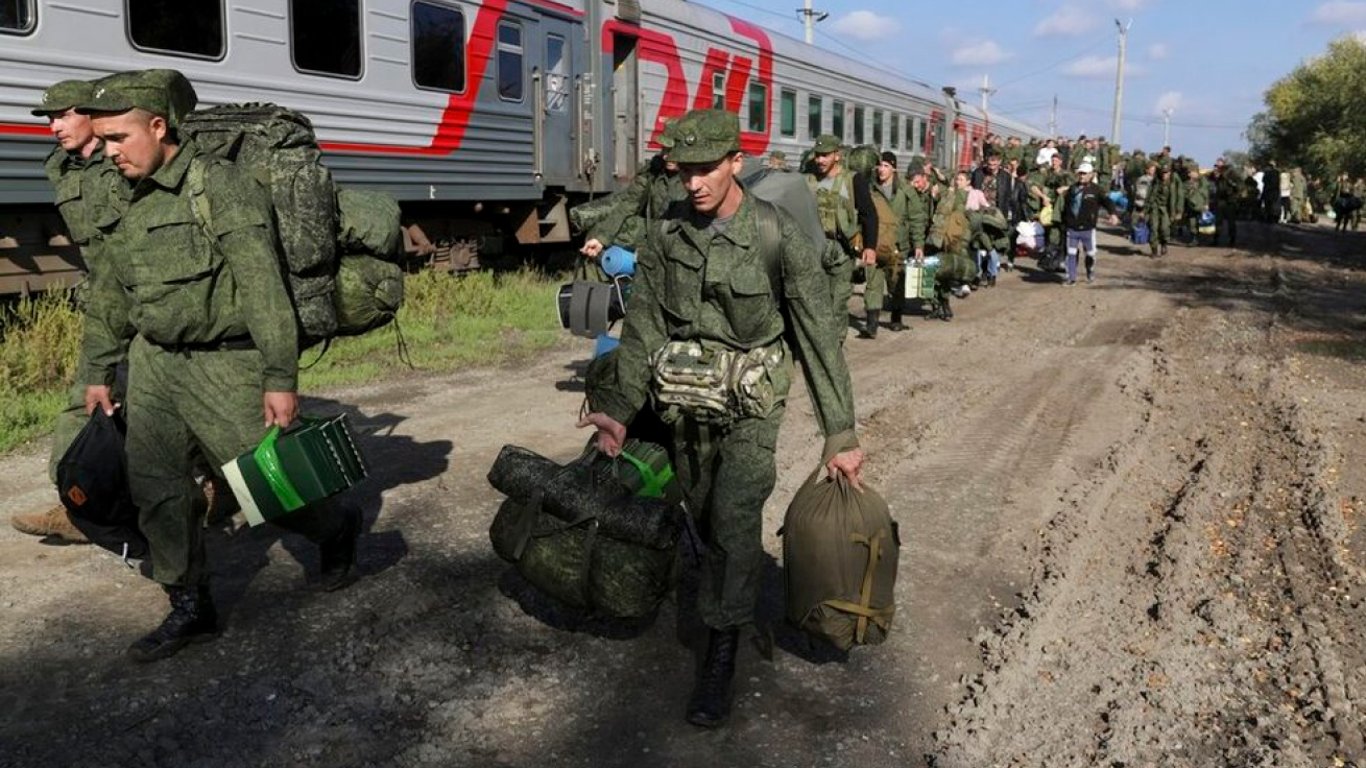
1081,206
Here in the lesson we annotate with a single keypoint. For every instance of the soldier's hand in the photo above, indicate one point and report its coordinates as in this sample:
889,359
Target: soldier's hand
99,395
919,255
592,248
869,257
280,408
850,464
611,434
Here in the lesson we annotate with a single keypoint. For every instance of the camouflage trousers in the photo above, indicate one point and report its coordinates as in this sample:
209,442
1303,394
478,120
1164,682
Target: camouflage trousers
183,401
841,276
727,474
1159,228
884,288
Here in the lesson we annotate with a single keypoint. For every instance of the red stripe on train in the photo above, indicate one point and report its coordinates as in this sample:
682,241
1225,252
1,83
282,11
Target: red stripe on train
25,129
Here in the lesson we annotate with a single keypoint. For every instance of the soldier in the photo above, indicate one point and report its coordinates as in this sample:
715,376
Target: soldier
999,188
1166,202
951,233
777,160
707,292
90,198
212,342
1197,194
833,186
883,261
1057,179
629,212
1224,195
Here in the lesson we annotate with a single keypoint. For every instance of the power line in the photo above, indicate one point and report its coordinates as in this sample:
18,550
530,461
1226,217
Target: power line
1056,64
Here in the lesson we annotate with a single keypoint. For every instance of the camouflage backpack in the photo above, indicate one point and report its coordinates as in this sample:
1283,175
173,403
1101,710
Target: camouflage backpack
863,159
277,146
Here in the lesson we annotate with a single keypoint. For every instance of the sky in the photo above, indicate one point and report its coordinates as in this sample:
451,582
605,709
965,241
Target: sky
1208,61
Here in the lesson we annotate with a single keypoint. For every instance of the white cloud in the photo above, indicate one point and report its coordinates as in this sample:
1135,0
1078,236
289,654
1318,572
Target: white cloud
983,54
1096,66
866,25
1067,21
1169,100
1340,12
1158,51
1128,5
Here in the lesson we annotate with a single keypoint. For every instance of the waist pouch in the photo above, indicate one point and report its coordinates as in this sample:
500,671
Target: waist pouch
717,386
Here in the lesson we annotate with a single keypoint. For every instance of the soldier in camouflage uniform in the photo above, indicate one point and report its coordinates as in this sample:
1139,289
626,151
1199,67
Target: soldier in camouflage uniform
712,292
883,263
1166,203
1197,194
629,212
1225,191
833,186
211,336
90,197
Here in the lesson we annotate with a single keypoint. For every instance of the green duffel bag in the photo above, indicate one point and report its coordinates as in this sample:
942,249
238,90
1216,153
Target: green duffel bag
840,553
572,539
369,293
369,221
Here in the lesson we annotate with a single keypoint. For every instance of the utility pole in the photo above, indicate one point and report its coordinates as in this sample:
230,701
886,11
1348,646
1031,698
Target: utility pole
986,90
1119,78
809,18
1167,127
1053,119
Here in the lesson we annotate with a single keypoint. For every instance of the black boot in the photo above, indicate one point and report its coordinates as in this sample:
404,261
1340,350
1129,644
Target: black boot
869,326
710,703
896,324
192,620
338,554
945,309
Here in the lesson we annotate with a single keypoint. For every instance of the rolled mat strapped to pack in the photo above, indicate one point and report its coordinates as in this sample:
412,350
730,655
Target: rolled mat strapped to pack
292,468
840,553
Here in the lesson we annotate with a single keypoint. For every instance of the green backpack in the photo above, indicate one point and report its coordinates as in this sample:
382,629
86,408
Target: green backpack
326,239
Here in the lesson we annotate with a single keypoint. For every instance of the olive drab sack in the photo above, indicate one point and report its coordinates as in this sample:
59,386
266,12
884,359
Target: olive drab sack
840,553
887,232
340,248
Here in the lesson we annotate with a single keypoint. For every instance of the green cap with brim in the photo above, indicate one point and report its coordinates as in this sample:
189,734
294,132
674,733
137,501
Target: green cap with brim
705,136
63,96
163,92
825,144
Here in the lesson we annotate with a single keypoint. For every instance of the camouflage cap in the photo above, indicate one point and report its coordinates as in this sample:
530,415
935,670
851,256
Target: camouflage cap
666,134
59,97
826,143
777,154
163,92
705,136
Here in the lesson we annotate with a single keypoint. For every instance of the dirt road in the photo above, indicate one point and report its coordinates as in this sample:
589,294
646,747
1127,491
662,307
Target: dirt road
1131,513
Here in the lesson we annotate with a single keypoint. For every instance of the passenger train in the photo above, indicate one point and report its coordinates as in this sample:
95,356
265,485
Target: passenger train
487,119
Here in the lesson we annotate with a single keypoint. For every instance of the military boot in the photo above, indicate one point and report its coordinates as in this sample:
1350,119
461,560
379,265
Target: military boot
54,522
869,326
192,620
337,555
896,324
945,308
710,703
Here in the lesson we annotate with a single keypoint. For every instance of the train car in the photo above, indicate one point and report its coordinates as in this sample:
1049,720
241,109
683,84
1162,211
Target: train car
487,119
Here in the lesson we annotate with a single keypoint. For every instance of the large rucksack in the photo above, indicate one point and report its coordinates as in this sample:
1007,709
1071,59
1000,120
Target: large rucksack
278,146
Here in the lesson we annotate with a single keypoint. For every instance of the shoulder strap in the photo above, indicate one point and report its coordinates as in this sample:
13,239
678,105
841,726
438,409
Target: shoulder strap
199,202
770,232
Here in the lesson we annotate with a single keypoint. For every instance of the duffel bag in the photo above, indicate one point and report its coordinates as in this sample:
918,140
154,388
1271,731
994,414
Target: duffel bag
598,534
840,553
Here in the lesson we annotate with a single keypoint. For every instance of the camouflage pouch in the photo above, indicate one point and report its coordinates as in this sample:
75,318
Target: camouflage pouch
717,386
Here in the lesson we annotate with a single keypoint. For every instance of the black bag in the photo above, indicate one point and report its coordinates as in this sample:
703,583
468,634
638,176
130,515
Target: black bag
586,533
92,478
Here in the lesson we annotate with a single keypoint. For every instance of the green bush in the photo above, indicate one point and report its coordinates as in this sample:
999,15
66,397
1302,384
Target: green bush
40,340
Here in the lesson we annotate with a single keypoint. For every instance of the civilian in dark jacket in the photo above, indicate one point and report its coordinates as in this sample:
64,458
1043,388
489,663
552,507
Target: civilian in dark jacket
999,187
1081,206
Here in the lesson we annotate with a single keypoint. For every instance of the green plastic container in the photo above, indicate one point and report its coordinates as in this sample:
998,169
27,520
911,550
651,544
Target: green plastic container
920,281
292,468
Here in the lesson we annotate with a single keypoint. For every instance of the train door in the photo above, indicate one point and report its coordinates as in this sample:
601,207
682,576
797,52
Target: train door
555,105
625,106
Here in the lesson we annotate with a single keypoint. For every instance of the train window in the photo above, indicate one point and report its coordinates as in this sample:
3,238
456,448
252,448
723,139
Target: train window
718,90
438,47
877,129
787,112
16,16
510,74
814,107
910,134
758,107
858,125
837,120
895,132
920,134
556,74
325,36
191,28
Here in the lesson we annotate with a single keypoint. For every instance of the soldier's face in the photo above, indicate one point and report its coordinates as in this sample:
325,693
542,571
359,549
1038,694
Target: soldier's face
711,186
920,182
71,130
134,141
825,161
885,172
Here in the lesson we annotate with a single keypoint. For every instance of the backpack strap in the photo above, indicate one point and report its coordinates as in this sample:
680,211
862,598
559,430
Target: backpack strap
199,202
770,231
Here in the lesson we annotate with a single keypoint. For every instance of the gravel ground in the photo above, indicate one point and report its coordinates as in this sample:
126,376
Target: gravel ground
1130,519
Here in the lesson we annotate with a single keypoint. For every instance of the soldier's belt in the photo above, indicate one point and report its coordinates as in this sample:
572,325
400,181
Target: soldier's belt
234,343
716,385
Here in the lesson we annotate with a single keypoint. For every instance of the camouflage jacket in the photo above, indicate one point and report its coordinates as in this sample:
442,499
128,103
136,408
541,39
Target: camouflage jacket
1168,197
177,284
693,285
630,210
839,216
1197,195
90,195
